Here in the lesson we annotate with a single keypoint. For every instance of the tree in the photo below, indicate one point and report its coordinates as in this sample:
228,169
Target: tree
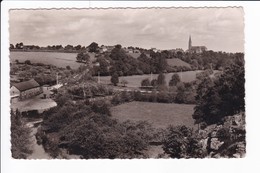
69,47
154,83
20,137
175,79
78,47
27,62
93,47
222,97
124,82
19,45
161,79
181,143
83,57
11,46
114,79
146,82
68,67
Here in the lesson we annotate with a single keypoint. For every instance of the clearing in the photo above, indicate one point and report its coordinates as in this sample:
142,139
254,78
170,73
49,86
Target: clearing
58,59
160,115
177,62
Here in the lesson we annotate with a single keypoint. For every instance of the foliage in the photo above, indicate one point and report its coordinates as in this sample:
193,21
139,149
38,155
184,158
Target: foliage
27,62
174,80
20,137
114,79
124,82
222,97
181,143
101,107
161,79
93,47
91,133
146,82
83,57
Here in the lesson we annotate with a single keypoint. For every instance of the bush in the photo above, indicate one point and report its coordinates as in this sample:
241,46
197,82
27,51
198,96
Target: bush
101,107
146,82
180,142
28,62
21,144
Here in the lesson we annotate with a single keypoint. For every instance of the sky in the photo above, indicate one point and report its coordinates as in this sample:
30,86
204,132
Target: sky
219,29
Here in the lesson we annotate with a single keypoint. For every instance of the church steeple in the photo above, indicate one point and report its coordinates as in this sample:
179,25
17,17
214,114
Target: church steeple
190,43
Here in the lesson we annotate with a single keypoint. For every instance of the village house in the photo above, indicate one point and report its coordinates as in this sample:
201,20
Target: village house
23,90
106,48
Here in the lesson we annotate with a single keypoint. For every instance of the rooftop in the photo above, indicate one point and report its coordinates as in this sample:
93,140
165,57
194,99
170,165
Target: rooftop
23,86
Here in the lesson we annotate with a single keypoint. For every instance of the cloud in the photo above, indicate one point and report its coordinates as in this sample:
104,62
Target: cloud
216,28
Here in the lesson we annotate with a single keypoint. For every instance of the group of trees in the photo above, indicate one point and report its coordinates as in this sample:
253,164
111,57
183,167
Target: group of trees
21,143
176,91
223,96
83,57
95,134
207,59
118,61
93,47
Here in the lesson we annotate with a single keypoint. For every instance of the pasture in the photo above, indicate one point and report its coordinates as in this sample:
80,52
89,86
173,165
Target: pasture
160,115
177,62
54,58
135,80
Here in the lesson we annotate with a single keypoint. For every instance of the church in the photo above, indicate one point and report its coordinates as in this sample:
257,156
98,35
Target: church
195,49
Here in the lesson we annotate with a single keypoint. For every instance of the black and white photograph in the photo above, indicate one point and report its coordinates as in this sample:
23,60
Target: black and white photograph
127,83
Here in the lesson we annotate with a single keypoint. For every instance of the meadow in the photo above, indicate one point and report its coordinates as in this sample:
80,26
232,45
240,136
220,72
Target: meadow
135,80
160,115
177,62
55,58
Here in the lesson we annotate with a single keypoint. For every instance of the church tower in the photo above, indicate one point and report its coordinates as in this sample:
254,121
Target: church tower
190,43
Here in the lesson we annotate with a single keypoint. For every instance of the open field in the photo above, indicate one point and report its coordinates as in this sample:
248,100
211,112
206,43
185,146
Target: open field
160,115
35,103
54,58
177,62
135,80
134,55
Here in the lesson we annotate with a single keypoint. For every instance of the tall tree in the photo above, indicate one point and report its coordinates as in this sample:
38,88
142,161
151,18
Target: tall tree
174,80
93,47
114,79
161,79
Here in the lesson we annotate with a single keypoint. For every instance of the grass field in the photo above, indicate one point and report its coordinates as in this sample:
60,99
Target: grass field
160,115
177,62
54,58
134,55
135,80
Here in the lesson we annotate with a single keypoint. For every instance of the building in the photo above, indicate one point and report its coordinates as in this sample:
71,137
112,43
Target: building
195,49
106,48
155,50
23,90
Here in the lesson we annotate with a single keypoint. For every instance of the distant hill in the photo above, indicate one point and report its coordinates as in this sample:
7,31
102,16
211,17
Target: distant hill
177,62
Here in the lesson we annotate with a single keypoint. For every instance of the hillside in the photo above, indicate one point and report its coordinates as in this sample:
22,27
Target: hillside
134,55
177,62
